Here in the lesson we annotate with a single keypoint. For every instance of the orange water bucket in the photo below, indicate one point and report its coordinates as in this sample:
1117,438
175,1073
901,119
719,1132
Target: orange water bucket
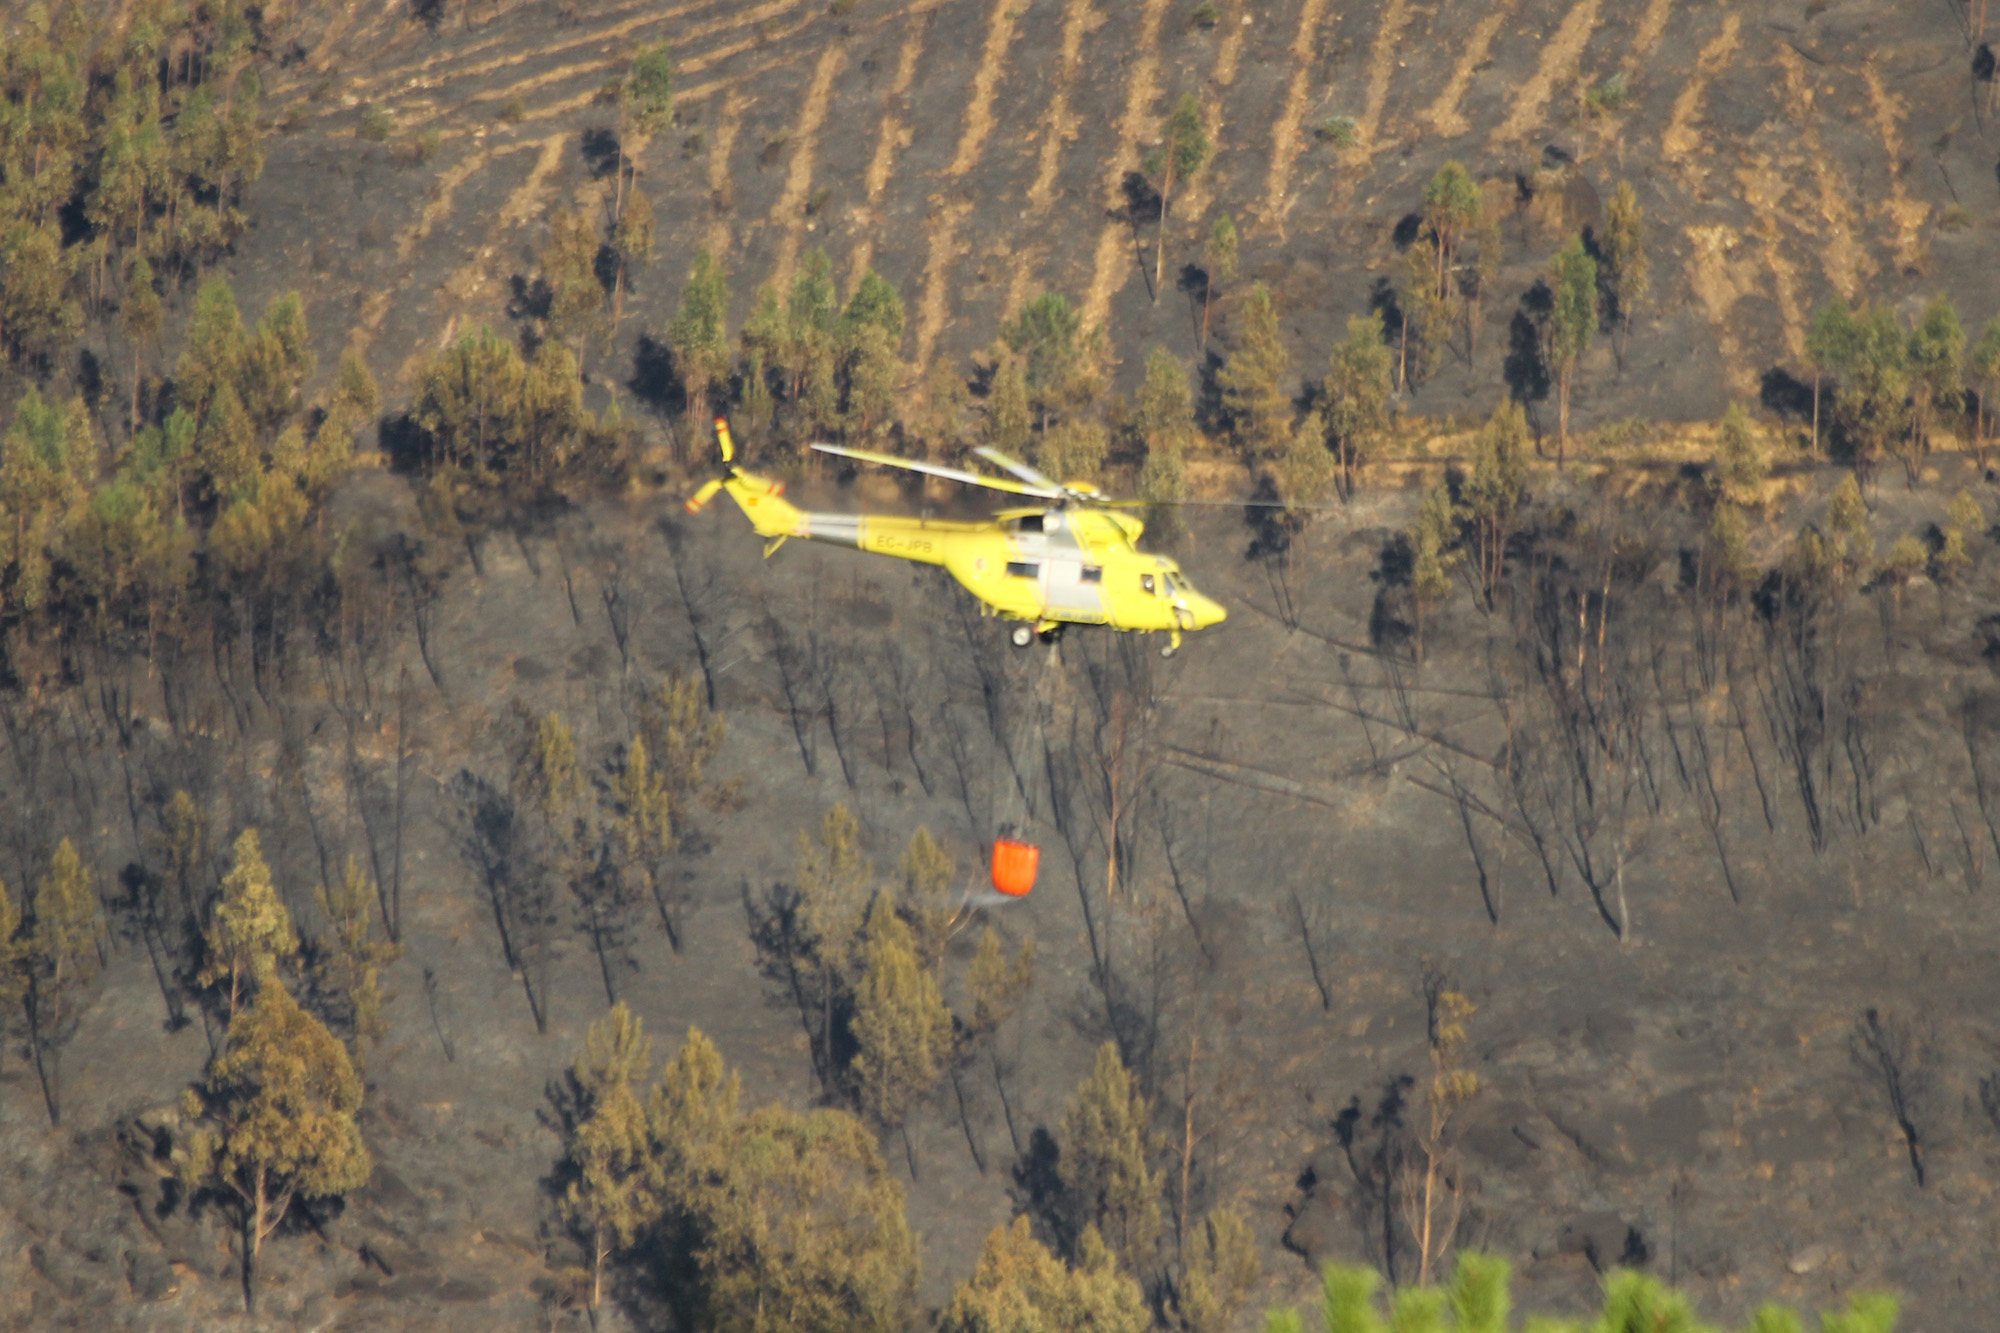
1014,866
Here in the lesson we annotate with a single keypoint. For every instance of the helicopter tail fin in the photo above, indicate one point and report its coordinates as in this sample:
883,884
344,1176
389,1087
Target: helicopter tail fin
762,502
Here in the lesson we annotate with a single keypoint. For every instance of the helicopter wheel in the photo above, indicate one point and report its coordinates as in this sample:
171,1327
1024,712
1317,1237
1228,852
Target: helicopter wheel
1167,651
1021,636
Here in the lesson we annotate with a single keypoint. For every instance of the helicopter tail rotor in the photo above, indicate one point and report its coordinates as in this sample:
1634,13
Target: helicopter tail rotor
699,500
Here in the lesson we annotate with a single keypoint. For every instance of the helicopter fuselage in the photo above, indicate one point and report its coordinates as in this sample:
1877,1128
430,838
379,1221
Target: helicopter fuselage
1055,565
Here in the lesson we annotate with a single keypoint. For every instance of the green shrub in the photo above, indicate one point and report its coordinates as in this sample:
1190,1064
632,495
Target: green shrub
419,149
376,123
513,111
1607,97
1340,131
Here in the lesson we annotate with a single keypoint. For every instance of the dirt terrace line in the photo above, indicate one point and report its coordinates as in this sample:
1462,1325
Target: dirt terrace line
1110,267
328,46
721,187
523,205
1765,186
1194,202
892,135
1906,215
1560,56
1059,126
1285,131
1001,27
683,65
696,92
788,214
1652,26
1682,138
364,38
1230,53
1720,281
594,70
1843,259
948,212
1444,114
1381,69
450,61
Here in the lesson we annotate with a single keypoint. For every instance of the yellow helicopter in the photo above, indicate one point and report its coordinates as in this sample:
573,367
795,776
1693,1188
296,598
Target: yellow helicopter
1071,561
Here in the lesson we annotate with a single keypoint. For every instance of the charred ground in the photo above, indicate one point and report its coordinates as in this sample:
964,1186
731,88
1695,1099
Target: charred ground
1796,830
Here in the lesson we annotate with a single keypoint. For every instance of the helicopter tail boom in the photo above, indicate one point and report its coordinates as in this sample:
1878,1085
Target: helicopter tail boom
775,518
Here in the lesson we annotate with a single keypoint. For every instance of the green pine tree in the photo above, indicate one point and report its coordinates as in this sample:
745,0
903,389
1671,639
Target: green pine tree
1937,374
1433,543
61,958
1495,490
1253,381
902,1030
699,334
1219,1271
1184,150
250,932
274,1121
1574,320
610,1198
1019,1287
1357,396
1108,1143
1220,255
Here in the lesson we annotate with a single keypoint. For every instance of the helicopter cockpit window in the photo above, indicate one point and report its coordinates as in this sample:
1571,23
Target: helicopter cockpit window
1016,569
1146,582
1092,574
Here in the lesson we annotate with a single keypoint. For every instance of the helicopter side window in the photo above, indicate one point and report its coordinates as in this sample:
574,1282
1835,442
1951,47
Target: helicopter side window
1031,523
1019,570
1146,582
1092,574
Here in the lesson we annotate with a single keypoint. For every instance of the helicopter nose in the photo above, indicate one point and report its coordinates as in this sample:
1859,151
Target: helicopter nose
1206,610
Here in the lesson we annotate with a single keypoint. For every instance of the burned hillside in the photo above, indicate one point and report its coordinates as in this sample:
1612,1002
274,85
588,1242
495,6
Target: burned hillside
1573,848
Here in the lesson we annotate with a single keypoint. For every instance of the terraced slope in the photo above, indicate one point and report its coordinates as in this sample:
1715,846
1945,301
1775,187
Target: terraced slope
976,152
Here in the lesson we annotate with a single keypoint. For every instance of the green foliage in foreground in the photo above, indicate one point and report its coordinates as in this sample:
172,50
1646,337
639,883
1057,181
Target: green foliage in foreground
1478,1301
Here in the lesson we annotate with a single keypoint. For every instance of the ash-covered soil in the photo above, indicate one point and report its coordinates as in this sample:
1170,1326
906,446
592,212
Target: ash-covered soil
1687,1099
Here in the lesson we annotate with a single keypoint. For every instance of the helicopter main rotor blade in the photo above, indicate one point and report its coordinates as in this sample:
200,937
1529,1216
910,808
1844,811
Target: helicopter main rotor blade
1050,492
1215,504
1019,469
